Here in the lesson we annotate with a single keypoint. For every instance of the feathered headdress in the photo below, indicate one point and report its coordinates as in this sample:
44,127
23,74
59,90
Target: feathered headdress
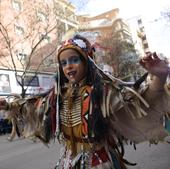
80,44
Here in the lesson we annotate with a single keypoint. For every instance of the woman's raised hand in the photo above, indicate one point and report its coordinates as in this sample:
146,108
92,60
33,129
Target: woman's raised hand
155,65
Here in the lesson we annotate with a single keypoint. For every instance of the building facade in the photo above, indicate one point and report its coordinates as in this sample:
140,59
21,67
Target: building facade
27,26
30,34
30,31
104,24
106,31
142,36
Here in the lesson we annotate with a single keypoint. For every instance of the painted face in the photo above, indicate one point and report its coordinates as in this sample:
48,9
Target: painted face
73,67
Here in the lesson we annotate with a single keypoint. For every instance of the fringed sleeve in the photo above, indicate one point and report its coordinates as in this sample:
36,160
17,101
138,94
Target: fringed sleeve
38,115
135,119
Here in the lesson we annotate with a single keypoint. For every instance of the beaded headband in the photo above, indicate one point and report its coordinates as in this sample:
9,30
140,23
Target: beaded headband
78,43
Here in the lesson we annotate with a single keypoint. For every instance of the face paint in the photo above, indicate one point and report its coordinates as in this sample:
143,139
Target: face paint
74,68
70,60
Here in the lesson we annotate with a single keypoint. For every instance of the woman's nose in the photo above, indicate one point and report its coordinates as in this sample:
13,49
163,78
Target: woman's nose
69,66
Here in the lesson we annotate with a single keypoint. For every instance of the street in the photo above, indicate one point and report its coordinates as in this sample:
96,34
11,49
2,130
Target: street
149,157
26,154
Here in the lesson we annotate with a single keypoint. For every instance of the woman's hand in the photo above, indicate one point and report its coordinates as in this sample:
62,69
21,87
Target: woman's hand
154,65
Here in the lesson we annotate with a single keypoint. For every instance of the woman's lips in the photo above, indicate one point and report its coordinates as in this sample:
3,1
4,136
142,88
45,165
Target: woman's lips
71,74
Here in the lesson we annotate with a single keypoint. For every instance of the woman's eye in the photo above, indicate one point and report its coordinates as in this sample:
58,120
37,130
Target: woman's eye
63,63
76,60
72,60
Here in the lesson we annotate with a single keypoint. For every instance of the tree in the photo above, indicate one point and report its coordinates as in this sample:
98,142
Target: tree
36,26
119,51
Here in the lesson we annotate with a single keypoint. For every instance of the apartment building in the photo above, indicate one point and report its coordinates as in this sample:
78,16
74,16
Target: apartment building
103,28
104,24
30,31
27,26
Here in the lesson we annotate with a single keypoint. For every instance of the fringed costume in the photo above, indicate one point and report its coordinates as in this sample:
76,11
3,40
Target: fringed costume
93,118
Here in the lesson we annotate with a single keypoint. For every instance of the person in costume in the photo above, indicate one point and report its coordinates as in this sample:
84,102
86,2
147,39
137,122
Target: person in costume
92,113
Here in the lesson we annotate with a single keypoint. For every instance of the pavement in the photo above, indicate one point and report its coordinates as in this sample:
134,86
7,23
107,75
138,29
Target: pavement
27,154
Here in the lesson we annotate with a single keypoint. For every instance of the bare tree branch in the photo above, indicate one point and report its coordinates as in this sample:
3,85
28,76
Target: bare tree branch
32,40
7,40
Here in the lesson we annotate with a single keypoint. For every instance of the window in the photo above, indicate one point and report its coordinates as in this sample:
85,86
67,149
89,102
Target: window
61,30
70,15
47,81
5,83
17,5
46,38
139,21
41,16
58,9
30,80
142,29
145,46
144,38
19,30
22,56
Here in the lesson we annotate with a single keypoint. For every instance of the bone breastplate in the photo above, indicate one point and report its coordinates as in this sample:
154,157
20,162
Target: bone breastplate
71,116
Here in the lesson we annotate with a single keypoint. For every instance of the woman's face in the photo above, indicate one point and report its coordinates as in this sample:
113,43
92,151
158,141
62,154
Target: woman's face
73,67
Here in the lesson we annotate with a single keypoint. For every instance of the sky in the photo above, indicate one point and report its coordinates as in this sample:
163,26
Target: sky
156,27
